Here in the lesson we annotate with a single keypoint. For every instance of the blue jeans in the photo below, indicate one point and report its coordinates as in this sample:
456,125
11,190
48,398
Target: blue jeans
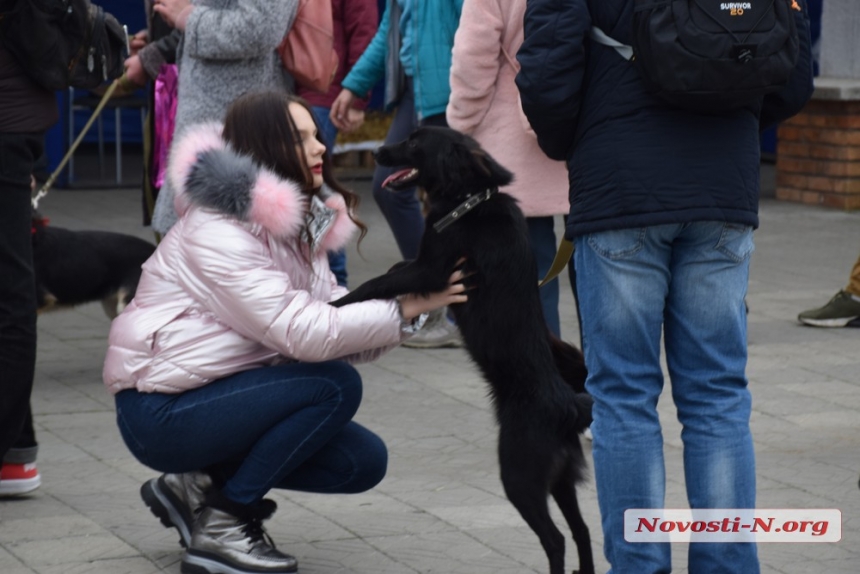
328,131
686,282
288,426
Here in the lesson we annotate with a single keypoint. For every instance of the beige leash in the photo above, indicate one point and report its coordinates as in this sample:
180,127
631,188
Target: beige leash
562,258
43,191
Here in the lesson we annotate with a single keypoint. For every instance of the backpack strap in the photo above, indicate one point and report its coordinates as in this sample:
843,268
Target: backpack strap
601,37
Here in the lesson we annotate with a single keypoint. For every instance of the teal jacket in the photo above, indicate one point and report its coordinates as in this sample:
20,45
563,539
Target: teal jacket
432,27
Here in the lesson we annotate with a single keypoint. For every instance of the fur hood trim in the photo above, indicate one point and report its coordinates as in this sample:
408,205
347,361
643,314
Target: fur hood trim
343,229
205,171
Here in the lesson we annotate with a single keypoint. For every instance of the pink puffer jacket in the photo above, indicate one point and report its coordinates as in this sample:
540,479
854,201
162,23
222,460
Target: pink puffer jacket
233,285
484,104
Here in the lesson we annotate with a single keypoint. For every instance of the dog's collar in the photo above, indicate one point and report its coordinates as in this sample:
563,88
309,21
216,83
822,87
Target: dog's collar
472,201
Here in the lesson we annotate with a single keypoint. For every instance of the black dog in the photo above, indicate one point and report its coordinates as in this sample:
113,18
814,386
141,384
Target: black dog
75,267
536,381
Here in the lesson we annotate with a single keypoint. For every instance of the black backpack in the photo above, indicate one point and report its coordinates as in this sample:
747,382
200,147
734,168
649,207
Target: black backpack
711,56
62,43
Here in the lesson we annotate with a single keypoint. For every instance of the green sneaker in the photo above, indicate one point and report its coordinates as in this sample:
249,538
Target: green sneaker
841,311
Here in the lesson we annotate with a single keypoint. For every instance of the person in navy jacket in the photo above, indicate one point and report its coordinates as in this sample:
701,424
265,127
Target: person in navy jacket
663,203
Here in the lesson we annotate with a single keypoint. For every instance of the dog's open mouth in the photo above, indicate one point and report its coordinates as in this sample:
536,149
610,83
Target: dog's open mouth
401,178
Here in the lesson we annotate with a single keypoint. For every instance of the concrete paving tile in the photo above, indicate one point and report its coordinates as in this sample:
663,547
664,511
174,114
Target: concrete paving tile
304,517
824,557
390,517
169,562
842,418
10,563
70,550
344,556
63,400
94,432
846,371
44,528
521,545
143,532
110,566
804,406
37,505
442,552
463,495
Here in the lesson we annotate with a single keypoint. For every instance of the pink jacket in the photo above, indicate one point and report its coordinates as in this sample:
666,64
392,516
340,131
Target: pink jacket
234,285
485,103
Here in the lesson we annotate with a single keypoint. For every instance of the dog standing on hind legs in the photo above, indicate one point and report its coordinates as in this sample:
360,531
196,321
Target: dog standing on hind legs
537,382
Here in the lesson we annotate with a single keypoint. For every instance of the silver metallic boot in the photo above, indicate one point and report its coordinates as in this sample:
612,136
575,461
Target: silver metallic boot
177,499
229,538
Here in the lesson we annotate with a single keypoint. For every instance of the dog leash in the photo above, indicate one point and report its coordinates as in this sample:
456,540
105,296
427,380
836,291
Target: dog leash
562,258
471,203
43,191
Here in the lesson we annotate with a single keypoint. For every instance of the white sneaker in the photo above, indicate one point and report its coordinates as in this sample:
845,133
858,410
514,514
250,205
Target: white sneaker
438,332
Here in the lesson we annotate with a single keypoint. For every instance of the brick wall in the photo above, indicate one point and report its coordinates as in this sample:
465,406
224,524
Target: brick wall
818,155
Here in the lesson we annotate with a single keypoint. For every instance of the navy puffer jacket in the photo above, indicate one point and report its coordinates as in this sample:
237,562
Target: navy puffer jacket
633,159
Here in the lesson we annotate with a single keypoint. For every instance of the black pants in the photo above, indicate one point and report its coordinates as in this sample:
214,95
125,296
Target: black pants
18,156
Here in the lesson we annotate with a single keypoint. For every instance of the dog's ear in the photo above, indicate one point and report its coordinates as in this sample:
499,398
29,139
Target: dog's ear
497,175
450,165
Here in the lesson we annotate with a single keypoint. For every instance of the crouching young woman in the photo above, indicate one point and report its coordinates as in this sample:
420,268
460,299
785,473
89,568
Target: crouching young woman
231,373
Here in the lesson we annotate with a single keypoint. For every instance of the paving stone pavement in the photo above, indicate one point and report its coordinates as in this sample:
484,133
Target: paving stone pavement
441,508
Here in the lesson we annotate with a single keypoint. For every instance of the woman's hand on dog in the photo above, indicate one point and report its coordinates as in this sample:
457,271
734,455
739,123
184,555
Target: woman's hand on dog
415,304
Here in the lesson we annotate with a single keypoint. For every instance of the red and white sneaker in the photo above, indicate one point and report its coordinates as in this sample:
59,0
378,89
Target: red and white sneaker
16,479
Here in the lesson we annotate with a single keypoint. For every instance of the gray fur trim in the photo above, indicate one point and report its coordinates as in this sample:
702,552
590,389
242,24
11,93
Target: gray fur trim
222,180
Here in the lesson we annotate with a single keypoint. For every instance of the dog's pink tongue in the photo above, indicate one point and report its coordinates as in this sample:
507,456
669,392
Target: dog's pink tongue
396,175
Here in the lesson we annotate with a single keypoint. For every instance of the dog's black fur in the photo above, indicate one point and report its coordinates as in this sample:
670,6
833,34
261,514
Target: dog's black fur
536,381
75,267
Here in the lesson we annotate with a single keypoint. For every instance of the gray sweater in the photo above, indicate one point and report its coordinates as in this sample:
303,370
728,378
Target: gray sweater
228,49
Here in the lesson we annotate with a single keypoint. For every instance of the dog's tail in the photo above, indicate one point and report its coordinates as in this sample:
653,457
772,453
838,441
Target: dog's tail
569,362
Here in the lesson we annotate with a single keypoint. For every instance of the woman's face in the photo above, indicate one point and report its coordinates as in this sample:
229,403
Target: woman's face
311,148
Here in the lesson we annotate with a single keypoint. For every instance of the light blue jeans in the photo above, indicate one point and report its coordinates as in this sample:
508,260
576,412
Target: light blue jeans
686,282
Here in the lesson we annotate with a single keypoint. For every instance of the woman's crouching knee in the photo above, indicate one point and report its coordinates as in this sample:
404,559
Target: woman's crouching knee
370,464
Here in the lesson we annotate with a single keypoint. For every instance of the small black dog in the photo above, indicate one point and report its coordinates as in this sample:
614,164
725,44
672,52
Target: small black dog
536,381
75,267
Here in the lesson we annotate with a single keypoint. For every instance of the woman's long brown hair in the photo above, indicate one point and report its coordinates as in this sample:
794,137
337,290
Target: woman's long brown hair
259,124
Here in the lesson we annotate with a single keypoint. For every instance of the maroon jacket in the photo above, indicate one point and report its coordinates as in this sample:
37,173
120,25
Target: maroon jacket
355,23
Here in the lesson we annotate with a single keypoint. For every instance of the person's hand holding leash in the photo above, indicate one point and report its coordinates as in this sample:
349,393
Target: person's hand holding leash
134,72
